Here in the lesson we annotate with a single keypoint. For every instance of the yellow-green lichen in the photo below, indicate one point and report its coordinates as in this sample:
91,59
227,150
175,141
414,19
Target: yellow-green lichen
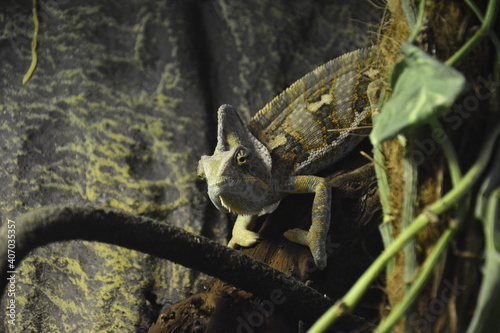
34,42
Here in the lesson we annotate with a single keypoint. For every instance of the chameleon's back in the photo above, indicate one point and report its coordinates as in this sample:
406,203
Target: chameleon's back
318,119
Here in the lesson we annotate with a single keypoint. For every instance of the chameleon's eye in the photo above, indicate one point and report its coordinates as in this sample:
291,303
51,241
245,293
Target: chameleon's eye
201,176
241,157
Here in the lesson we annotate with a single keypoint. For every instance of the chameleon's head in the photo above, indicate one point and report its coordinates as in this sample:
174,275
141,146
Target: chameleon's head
238,172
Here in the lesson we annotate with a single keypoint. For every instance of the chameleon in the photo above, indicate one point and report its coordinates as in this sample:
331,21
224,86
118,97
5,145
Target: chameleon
308,127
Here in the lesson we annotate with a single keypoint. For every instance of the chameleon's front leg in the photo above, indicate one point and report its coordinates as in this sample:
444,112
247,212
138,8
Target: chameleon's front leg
241,235
315,238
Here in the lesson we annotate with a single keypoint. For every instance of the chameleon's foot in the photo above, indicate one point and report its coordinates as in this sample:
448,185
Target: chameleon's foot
243,238
315,244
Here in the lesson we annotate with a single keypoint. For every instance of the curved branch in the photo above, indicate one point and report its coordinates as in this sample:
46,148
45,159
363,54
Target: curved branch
53,224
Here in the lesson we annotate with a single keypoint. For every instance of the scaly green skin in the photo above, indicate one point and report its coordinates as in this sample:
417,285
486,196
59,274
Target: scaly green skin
305,129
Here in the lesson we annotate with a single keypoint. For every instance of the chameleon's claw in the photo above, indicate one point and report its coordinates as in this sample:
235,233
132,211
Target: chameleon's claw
241,235
317,246
243,238
297,235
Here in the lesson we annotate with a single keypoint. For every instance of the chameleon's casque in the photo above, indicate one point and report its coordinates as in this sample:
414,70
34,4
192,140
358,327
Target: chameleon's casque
308,127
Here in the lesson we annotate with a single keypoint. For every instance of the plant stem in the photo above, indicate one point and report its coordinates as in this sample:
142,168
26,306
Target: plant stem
409,11
385,227
483,31
349,301
408,212
420,22
410,297
34,42
407,216
450,154
493,35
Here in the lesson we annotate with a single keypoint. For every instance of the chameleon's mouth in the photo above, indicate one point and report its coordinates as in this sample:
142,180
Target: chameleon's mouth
232,208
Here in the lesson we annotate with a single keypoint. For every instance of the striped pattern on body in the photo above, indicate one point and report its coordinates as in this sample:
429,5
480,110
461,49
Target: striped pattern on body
320,118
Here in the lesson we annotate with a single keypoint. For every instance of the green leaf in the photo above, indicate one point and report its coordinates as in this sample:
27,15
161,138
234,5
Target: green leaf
424,89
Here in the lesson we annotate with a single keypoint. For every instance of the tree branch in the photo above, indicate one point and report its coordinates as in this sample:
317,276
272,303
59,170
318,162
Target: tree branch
53,224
